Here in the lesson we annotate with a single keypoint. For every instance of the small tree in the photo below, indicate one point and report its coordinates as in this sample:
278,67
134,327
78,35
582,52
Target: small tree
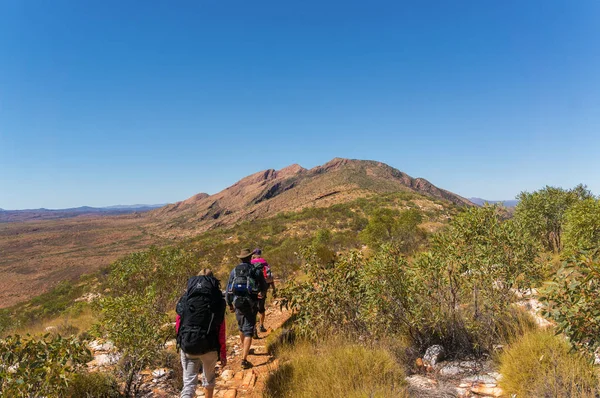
133,322
469,276
542,213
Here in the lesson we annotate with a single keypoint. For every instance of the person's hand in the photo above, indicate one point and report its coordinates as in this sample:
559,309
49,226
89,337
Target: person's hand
260,295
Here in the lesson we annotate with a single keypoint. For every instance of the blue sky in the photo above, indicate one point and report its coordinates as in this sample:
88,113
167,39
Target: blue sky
118,102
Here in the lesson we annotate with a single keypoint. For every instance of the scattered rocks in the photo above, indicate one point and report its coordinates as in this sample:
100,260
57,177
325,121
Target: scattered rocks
88,297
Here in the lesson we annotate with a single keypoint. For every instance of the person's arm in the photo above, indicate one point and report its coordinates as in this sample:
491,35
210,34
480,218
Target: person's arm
262,283
228,296
222,343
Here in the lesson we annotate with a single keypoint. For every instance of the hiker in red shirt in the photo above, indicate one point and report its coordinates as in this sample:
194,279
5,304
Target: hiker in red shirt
260,263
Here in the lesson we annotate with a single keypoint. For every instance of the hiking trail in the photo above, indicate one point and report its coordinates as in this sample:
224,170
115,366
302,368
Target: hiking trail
235,382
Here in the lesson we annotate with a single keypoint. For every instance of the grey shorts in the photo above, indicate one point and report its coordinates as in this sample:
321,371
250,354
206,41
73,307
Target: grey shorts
191,365
246,321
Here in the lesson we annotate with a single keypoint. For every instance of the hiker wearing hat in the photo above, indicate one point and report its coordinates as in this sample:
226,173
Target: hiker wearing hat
263,267
244,289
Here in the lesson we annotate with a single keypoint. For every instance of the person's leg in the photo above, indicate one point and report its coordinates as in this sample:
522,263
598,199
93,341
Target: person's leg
262,320
261,311
246,347
209,361
190,375
248,329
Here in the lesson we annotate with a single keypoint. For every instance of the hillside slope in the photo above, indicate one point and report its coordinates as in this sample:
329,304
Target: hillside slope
293,188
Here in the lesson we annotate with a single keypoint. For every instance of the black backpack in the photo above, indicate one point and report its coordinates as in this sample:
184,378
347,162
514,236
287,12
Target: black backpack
244,286
202,310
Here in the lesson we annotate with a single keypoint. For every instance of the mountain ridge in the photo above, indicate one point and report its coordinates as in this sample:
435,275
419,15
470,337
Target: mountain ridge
292,188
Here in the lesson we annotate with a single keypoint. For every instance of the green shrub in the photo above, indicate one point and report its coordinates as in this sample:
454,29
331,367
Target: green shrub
39,367
93,385
541,364
573,299
469,278
582,226
392,226
542,213
336,369
133,322
458,294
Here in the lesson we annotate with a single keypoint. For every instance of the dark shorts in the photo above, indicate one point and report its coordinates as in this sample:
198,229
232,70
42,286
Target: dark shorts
261,304
246,321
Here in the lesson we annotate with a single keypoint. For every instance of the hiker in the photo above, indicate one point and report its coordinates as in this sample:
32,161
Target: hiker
244,288
201,334
261,264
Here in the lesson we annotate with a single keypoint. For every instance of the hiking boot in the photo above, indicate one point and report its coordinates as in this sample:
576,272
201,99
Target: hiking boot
246,364
262,329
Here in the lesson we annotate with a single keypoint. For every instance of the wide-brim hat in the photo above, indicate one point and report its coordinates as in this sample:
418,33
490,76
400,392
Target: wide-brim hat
244,253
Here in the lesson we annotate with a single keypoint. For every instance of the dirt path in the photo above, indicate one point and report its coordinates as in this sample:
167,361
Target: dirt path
235,382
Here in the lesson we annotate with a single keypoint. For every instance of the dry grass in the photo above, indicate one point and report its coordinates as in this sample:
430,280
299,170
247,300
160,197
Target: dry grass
336,369
541,364
64,324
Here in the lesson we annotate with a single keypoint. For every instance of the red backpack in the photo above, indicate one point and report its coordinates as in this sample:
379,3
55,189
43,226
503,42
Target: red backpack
266,268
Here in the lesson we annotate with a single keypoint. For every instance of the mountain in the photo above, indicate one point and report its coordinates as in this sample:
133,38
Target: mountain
53,214
506,203
292,188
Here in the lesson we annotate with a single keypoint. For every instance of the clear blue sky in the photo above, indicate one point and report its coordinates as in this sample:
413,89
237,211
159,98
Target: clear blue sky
122,102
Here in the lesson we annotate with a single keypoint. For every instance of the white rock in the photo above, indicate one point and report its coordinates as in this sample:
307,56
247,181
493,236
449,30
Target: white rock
158,373
227,375
421,382
106,359
99,345
434,354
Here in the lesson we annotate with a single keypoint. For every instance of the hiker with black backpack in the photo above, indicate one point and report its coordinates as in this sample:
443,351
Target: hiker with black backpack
201,332
263,267
244,288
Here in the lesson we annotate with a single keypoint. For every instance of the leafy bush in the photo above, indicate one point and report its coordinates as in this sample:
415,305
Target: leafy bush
573,299
458,294
93,385
328,297
541,364
542,213
391,226
133,322
582,226
470,275
39,367
336,369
